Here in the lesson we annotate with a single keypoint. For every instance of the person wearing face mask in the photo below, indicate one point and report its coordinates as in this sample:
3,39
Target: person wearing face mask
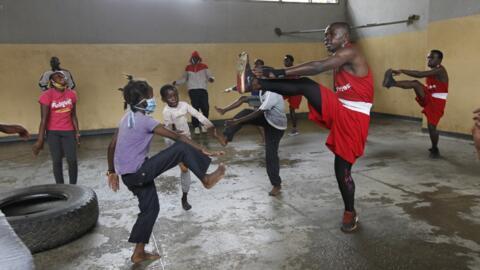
59,124
55,66
128,157
432,97
197,76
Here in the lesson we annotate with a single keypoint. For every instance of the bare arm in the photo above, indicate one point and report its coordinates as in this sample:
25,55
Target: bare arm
234,105
247,117
44,112
164,132
316,67
340,58
12,129
75,123
113,181
422,74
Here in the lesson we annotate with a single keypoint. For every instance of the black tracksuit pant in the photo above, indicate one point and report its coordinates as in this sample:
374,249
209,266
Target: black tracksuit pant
199,100
142,186
272,141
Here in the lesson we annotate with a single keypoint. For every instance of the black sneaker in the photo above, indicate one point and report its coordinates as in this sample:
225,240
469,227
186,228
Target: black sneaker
434,153
349,222
388,80
244,74
185,205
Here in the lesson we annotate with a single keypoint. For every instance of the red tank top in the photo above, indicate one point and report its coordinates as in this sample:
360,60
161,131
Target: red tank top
436,86
354,88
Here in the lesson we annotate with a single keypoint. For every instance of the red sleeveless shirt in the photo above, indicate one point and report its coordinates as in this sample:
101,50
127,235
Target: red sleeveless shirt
353,88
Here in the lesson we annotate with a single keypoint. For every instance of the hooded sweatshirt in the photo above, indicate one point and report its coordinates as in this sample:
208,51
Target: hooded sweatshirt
196,75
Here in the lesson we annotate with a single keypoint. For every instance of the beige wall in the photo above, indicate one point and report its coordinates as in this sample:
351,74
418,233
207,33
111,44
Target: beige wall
97,71
458,38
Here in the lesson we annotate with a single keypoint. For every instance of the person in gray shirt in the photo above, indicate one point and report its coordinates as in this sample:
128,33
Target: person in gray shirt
55,66
271,116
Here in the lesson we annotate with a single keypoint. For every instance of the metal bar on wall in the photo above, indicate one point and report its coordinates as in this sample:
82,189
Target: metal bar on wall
411,19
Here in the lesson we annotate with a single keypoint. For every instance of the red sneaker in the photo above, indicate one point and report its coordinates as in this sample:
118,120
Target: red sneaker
244,74
350,220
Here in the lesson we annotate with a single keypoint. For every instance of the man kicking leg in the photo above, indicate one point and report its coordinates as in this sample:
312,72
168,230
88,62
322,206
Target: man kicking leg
346,113
432,96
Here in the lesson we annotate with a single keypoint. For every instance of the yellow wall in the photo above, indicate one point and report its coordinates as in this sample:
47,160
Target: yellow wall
458,38
97,71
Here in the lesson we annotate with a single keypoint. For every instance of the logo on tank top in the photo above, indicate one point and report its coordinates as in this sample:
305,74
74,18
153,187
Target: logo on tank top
343,87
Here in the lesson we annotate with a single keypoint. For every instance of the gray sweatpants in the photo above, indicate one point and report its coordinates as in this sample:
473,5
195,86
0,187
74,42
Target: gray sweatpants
185,178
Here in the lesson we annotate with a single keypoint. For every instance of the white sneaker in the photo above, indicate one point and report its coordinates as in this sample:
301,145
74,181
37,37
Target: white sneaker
196,130
204,129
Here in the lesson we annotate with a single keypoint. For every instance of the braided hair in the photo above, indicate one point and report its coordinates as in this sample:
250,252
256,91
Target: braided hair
134,91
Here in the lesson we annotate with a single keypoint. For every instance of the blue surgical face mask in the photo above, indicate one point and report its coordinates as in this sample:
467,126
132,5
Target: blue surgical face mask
151,105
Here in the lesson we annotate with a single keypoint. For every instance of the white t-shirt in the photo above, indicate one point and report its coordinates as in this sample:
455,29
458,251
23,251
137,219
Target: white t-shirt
274,109
178,116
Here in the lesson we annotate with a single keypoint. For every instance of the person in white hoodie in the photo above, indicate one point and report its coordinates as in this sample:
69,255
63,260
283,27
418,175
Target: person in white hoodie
197,76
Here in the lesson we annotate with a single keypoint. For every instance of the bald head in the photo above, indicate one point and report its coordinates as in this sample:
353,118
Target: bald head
341,28
337,35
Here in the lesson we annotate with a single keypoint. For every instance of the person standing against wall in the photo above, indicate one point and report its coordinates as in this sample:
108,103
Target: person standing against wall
59,124
55,66
197,76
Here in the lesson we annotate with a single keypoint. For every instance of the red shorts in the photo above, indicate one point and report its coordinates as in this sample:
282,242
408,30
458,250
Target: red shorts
348,129
433,108
294,101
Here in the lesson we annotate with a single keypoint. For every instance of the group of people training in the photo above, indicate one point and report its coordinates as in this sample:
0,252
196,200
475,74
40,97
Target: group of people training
344,111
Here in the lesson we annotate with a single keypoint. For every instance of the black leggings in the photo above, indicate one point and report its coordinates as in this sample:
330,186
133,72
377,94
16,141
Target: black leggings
63,142
343,172
294,87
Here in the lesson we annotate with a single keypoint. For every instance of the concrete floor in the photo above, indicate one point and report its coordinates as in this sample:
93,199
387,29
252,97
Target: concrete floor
415,213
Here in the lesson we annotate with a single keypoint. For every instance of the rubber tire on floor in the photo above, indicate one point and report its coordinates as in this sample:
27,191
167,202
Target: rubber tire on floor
56,226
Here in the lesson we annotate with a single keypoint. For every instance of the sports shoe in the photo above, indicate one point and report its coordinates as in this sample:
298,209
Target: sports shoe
244,74
434,153
196,130
388,80
349,222
275,191
230,89
203,129
293,132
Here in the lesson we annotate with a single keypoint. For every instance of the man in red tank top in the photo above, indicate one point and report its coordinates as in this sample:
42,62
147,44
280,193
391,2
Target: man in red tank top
346,113
432,96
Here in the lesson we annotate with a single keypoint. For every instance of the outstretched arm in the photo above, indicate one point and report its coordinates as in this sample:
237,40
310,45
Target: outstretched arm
236,121
234,105
164,132
12,129
420,74
340,58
